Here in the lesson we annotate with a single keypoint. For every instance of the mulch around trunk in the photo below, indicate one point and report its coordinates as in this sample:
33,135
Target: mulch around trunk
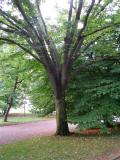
96,131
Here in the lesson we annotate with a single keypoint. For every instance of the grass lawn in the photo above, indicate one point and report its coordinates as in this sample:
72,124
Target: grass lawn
15,120
60,148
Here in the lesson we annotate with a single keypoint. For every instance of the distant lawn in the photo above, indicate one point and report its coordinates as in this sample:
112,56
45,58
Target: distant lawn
19,119
60,148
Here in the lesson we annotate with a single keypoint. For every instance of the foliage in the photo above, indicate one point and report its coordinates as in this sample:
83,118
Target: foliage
40,94
12,67
34,81
94,95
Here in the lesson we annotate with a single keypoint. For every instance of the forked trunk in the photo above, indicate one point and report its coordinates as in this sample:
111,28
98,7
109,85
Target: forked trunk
61,116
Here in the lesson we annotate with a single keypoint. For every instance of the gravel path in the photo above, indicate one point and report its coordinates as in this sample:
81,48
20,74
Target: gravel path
10,134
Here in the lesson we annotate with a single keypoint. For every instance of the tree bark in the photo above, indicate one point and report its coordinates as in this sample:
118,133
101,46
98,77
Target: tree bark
10,103
58,84
6,113
9,107
61,114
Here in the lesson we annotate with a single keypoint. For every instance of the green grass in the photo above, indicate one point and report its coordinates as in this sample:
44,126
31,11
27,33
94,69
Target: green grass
15,120
60,148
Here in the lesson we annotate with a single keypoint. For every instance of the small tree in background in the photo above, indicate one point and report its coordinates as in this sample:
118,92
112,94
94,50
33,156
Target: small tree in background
12,78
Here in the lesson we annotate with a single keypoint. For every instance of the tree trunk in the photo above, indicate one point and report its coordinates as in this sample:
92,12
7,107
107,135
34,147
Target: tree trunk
11,99
7,113
58,86
61,115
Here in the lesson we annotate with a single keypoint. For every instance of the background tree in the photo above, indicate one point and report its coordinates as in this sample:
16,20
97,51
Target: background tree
36,40
13,78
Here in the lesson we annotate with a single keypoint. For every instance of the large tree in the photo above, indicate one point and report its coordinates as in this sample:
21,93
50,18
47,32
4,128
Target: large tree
29,31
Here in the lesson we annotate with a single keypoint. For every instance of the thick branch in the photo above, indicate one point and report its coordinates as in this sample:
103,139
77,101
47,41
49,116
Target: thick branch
100,29
12,20
86,47
27,20
37,2
102,8
10,41
68,37
70,10
7,30
91,43
87,16
6,24
34,32
77,45
53,51
80,5
14,24
48,41
51,46
91,62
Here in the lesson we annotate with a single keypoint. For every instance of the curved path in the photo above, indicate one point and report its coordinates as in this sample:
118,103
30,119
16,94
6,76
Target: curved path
13,133
10,134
